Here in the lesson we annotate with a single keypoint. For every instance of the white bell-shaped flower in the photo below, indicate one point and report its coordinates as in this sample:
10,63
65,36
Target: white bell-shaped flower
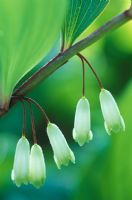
113,120
21,162
82,124
62,153
37,168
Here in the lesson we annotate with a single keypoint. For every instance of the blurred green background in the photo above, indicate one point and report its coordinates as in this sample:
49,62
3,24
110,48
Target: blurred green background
103,168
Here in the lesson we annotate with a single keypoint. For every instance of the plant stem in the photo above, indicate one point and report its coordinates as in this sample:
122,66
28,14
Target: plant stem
63,57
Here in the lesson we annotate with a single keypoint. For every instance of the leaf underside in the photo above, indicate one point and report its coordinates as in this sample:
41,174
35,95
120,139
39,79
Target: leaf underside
80,14
28,29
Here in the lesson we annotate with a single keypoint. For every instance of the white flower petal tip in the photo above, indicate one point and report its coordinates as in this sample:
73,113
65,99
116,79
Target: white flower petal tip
82,124
113,120
82,140
20,169
37,169
62,152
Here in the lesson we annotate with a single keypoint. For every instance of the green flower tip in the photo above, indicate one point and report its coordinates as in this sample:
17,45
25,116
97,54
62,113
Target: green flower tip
62,152
83,138
113,120
82,123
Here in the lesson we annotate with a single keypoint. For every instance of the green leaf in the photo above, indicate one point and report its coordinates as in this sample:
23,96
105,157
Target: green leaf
80,14
28,29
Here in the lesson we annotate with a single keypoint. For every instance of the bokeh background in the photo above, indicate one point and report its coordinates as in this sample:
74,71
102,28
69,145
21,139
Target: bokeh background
103,168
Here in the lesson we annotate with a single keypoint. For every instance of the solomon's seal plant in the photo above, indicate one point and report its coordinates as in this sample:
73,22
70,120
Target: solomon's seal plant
28,30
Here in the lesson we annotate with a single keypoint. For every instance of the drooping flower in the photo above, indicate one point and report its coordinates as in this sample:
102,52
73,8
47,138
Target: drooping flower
113,120
37,169
62,153
21,162
82,124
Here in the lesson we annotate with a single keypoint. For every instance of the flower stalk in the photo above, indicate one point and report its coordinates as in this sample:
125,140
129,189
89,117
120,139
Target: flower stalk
83,75
24,118
33,124
90,66
38,106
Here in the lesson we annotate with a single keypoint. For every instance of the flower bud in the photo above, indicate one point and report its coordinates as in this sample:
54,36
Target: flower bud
37,169
21,162
82,124
62,152
113,120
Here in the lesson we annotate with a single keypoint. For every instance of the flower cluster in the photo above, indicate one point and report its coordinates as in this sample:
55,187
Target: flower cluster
113,120
29,165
